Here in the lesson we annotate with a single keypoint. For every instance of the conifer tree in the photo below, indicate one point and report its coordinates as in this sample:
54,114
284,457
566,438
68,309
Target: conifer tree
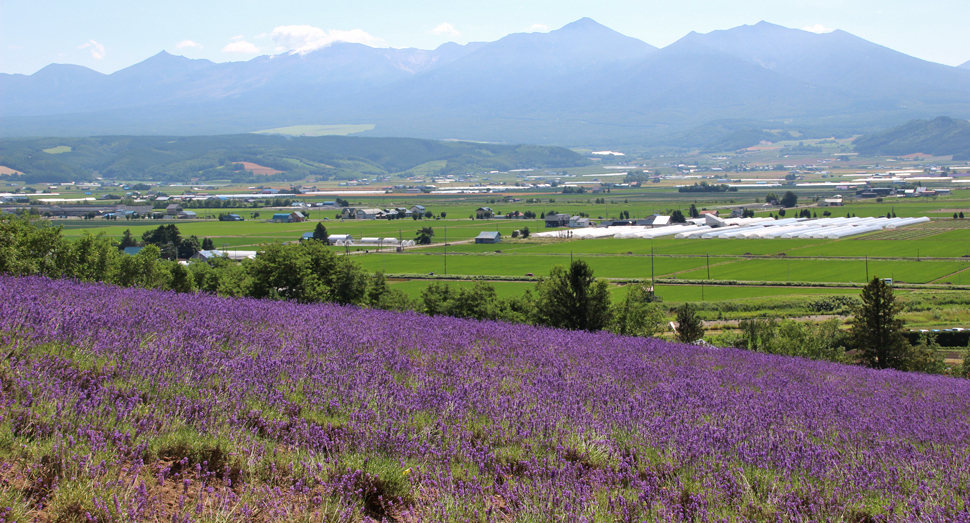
876,331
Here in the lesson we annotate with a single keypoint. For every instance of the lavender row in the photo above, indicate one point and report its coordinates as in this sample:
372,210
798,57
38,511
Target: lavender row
125,404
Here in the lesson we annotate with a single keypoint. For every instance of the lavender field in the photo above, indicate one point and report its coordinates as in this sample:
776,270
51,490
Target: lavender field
133,405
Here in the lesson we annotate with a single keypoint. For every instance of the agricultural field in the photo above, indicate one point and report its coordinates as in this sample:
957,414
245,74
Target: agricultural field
136,405
844,271
515,265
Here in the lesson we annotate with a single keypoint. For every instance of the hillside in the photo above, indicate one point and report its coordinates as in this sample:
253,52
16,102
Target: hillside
941,136
137,405
218,157
582,84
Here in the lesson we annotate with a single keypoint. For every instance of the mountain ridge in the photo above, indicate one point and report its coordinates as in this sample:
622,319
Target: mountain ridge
581,84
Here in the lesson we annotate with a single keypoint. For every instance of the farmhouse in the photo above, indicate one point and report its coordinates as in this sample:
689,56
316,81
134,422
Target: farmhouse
173,209
830,202
557,220
369,214
484,213
488,237
187,215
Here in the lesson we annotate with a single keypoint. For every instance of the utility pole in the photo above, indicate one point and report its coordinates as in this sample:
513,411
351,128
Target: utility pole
446,250
867,267
651,268
708,266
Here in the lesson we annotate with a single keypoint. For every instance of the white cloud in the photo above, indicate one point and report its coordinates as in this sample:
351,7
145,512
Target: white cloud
538,28
818,29
445,28
184,44
97,50
240,47
236,38
305,38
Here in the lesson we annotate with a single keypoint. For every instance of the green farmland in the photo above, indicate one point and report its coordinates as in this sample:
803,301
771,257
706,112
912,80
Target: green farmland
520,265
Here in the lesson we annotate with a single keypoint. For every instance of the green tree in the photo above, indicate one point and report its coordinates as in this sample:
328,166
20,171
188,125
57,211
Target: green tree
573,299
320,234
875,329
424,236
637,314
926,356
188,247
690,328
677,217
480,302
790,199
693,212
181,280
144,269
434,298
758,334
525,232
208,244
381,296
91,258
127,240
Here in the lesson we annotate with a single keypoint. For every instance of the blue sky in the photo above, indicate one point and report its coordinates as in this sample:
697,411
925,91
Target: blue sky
107,35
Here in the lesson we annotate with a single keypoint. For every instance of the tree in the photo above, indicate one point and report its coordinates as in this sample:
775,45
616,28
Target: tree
381,296
573,299
926,356
525,232
693,212
790,199
444,214
637,315
689,326
127,240
320,234
208,244
677,217
188,247
876,331
424,236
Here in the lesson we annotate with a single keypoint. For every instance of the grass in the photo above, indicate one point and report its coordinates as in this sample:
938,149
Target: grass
319,130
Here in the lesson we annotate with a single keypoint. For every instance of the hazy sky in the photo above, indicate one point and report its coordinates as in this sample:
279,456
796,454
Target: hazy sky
108,35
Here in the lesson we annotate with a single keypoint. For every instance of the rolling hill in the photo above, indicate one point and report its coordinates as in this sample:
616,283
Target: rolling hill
940,136
218,157
583,84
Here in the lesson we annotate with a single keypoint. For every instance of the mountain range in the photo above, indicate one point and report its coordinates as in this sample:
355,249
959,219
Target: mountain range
581,85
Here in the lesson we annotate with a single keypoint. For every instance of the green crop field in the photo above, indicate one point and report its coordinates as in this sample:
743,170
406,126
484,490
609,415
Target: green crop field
681,293
829,270
519,265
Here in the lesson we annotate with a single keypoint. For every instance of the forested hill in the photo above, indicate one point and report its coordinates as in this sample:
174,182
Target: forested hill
220,157
940,136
